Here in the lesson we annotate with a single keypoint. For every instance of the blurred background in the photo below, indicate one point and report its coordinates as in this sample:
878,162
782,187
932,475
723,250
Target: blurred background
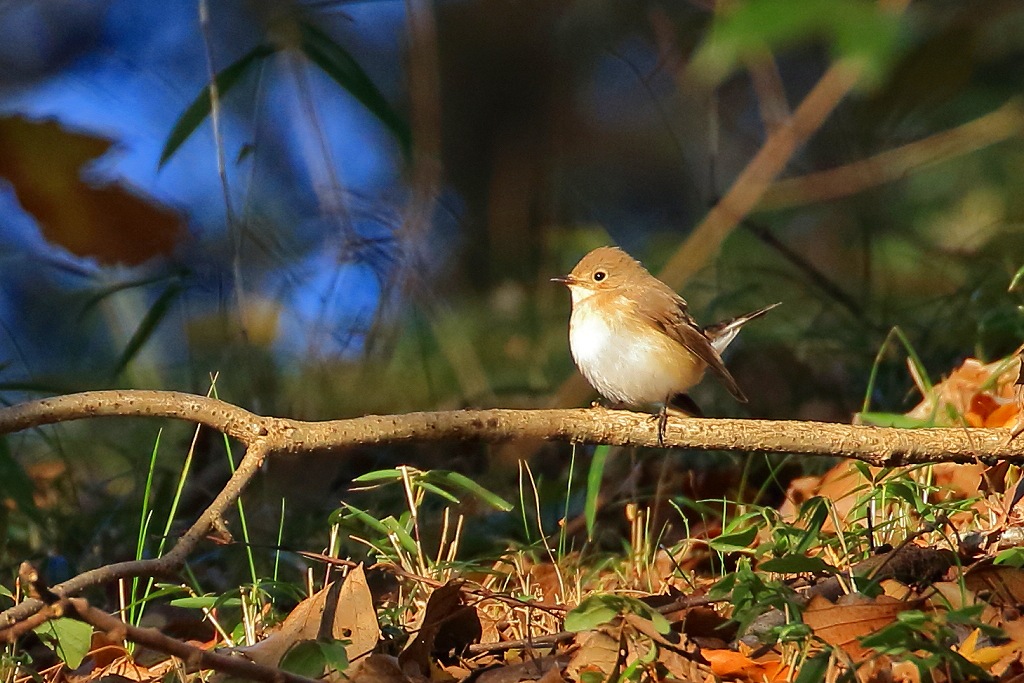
366,215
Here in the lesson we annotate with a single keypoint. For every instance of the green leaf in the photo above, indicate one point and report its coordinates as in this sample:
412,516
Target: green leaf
797,564
903,491
467,484
16,484
854,28
304,658
197,602
197,112
380,475
405,539
1013,557
340,66
891,420
594,476
154,316
734,542
352,512
69,638
814,512
335,654
591,613
5,593
438,490
102,293
813,669
600,609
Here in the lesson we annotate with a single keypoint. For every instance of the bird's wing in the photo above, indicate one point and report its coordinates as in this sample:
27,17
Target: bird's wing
668,311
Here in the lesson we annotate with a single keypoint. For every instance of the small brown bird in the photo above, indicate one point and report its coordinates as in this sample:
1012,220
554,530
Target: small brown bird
633,338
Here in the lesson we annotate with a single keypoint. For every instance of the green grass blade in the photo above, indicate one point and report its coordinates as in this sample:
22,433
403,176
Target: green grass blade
197,112
427,486
873,375
467,484
280,540
145,517
914,359
562,539
1017,281
380,475
594,477
344,70
242,520
104,292
154,316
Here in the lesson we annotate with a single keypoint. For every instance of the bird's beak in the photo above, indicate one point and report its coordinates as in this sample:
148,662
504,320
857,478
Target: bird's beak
566,280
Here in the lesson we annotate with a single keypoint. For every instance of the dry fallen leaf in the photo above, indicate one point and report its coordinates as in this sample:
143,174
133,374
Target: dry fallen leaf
599,652
997,584
113,224
340,612
987,656
855,616
447,628
738,666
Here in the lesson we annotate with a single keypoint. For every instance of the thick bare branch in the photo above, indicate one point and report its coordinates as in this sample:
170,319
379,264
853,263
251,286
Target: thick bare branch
267,435
236,422
883,446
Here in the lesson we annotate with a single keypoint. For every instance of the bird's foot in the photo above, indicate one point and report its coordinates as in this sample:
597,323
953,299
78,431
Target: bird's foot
662,418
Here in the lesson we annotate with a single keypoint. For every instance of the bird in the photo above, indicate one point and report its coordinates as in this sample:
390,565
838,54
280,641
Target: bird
634,340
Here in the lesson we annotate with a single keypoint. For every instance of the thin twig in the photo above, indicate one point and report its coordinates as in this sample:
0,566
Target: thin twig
1004,123
194,658
222,166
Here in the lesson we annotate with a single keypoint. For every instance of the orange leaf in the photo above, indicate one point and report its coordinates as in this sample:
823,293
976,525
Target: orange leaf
842,624
736,665
112,223
1003,416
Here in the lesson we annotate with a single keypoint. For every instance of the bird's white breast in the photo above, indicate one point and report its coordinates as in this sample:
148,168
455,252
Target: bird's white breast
625,359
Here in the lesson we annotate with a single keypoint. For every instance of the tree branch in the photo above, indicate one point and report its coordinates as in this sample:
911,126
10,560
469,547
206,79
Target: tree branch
194,658
266,436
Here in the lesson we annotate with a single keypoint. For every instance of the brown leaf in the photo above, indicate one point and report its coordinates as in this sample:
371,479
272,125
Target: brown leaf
376,668
599,651
855,616
997,584
704,622
682,667
547,669
126,668
340,612
448,627
112,224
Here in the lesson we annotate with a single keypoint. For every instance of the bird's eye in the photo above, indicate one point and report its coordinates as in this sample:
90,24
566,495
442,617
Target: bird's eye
600,275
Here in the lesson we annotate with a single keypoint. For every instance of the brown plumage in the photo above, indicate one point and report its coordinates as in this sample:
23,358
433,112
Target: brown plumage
632,336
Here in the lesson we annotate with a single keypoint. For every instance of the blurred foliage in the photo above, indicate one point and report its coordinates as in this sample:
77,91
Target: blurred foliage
564,126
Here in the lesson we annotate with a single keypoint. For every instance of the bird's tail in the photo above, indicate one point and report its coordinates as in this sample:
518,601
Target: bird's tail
721,334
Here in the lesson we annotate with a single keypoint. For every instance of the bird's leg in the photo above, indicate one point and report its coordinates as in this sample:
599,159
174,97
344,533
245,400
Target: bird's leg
662,424
680,405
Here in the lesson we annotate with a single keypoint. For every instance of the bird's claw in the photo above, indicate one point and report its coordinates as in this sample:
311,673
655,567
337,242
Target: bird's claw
662,417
